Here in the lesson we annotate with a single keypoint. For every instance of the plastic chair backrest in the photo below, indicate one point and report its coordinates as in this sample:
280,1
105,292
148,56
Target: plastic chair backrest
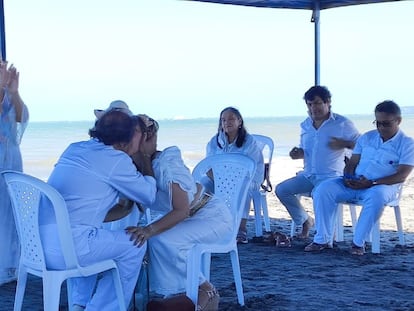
28,194
232,174
266,145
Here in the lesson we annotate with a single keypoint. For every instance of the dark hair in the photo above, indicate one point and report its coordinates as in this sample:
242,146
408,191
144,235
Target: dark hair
114,127
242,132
388,107
318,90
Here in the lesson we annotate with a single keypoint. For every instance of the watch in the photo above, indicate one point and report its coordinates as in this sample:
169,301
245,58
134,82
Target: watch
374,182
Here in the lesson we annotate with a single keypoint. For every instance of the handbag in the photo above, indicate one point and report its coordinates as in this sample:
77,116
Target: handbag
175,303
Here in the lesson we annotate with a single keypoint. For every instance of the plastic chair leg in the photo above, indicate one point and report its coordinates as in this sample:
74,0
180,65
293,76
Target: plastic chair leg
398,219
51,292
193,270
20,289
265,212
339,226
376,238
257,205
237,276
292,229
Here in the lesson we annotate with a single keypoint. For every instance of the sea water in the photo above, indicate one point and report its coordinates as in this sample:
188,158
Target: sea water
44,142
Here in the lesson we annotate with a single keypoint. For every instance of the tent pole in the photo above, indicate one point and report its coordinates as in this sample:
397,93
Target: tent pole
2,32
315,19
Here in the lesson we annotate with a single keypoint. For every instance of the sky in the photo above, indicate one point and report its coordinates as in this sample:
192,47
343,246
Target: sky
187,59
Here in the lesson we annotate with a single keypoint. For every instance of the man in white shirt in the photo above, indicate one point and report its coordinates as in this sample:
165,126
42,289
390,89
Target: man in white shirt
324,140
382,159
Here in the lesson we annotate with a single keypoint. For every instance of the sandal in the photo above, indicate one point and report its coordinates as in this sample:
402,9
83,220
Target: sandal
357,250
281,240
316,247
208,297
242,237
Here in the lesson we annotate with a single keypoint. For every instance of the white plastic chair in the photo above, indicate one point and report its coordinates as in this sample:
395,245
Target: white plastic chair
233,174
266,145
26,193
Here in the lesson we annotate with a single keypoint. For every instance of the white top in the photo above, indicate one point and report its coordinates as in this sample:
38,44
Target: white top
249,148
380,159
91,176
169,168
319,159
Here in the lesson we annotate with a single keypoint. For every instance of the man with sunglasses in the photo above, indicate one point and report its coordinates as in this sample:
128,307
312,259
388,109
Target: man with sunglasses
382,159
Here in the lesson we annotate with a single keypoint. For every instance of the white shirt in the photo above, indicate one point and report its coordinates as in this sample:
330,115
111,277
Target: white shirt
90,176
319,159
380,159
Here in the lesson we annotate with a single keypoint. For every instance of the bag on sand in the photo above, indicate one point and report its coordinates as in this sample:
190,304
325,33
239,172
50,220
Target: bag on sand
175,303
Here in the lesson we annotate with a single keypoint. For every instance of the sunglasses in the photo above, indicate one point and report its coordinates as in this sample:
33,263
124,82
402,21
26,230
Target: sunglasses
387,123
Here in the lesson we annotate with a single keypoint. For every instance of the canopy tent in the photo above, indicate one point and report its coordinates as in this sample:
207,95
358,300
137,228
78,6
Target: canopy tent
315,5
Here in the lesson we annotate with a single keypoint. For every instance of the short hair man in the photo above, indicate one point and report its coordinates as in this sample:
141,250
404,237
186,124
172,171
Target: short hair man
381,160
324,139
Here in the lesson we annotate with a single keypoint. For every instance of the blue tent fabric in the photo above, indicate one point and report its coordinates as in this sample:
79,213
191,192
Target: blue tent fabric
297,4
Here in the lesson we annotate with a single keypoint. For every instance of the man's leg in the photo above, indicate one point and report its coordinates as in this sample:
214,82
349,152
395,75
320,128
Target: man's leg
286,191
373,200
325,203
114,245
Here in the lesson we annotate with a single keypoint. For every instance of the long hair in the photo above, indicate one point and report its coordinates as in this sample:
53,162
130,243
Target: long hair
241,133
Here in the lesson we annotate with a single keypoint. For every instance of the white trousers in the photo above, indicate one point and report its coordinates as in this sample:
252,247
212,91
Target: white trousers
329,193
102,244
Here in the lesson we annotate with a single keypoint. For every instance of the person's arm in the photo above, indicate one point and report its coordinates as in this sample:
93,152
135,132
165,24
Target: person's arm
297,153
351,165
403,171
120,210
180,211
336,143
13,87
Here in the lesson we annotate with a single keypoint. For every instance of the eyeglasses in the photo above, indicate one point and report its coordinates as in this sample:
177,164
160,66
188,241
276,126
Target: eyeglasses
387,123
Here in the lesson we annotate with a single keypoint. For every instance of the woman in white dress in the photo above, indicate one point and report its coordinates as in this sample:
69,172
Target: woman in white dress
14,116
232,137
177,230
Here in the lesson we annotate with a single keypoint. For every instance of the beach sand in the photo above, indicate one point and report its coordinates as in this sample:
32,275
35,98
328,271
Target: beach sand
290,279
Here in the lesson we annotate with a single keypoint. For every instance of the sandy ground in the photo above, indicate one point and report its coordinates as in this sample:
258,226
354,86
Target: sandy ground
290,279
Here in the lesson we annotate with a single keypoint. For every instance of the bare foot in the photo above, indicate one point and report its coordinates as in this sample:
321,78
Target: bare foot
307,225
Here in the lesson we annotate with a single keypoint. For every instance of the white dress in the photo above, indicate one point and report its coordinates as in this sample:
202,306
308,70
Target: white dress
168,250
11,133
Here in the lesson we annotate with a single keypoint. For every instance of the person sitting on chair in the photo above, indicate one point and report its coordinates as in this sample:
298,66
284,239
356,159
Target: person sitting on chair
188,216
324,140
232,137
381,160
90,176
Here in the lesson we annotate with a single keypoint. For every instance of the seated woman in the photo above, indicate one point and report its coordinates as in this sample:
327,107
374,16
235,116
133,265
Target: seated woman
173,234
232,137
90,176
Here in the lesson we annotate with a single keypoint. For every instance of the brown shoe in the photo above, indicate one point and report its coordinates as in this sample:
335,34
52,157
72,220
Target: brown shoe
315,247
357,250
